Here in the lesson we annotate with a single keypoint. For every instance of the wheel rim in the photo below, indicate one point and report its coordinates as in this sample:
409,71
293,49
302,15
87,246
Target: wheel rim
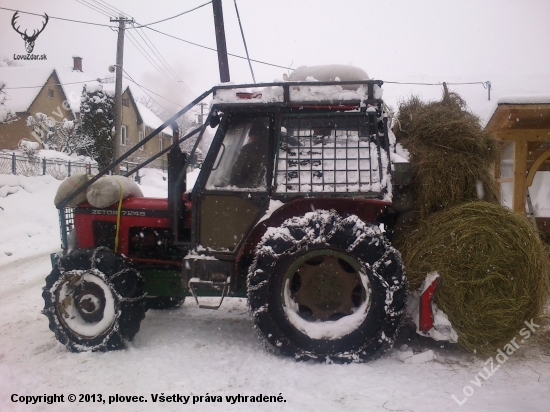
85,303
324,288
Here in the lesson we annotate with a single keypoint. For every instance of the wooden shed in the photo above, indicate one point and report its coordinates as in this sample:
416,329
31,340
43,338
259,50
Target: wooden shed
522,127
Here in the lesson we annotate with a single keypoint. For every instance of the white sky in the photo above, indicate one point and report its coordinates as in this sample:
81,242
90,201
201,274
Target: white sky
506,42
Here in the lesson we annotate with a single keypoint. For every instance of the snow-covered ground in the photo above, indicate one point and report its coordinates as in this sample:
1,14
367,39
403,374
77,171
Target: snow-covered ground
195,352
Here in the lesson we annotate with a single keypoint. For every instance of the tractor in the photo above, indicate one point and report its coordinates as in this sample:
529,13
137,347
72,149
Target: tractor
293,209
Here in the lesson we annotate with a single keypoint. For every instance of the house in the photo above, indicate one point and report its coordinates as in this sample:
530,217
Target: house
522,127
137,123
30,90
57,91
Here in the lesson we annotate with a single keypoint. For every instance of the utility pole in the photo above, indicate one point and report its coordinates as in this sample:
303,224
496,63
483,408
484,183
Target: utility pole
201,116
118,85
220,41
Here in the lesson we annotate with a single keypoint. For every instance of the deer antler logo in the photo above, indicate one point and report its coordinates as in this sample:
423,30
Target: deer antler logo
29,40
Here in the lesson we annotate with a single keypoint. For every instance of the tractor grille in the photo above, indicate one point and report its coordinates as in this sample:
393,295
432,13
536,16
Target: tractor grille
66,224
320,154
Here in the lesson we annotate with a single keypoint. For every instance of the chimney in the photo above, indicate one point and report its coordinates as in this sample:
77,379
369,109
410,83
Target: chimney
77,64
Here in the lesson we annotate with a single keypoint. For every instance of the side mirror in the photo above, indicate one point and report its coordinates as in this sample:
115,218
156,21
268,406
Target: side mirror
215,120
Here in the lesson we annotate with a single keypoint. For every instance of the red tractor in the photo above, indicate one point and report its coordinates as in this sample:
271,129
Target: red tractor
293,209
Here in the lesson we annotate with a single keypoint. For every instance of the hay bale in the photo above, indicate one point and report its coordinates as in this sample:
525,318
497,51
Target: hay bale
493,270
451,154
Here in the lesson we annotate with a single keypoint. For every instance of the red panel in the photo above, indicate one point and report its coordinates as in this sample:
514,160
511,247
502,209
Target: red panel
426,317
85,214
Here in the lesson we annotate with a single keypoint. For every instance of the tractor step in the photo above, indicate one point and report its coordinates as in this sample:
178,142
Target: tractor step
195,283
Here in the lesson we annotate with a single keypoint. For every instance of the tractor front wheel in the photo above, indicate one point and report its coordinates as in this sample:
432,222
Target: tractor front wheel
94,300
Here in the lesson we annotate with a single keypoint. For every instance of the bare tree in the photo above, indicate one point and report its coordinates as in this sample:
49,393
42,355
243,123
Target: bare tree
6,114
152,105
64,136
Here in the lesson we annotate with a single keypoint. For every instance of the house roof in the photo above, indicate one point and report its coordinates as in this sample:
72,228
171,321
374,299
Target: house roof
21,85
521,119
72,83
150,119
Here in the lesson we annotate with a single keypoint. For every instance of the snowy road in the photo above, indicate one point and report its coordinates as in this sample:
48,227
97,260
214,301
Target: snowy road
191,351
194,352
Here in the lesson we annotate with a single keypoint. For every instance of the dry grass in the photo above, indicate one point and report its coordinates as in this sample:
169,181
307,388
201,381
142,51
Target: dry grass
493,270
451,154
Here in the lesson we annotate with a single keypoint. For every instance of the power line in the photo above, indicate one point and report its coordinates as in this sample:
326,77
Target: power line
168,70
244,42
150,97
145,88
213,49
117,11
148,57
435,84
55,84
86,4
173,17
166,67
158,31
58,18
109,10
486,85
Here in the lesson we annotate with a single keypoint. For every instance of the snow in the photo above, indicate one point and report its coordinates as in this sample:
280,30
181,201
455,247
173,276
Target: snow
72,83
55,155
273,206
321,166
150,119
442,329
194,352
19,100
529,99
330,330
75,320
328,73
423,357
325,73
297,94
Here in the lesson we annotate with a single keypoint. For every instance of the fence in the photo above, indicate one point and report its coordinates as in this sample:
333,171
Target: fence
12,163
60,169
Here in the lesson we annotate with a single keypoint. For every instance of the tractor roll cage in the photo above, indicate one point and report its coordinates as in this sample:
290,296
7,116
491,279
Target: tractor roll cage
65,213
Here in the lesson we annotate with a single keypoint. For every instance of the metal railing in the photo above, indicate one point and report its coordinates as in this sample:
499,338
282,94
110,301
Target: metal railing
12,163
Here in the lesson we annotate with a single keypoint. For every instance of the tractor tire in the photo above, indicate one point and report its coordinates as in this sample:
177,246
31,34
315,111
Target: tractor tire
327,287
164,302
94,300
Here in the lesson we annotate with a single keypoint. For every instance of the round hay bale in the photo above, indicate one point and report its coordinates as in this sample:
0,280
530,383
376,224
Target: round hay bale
451,155
493,270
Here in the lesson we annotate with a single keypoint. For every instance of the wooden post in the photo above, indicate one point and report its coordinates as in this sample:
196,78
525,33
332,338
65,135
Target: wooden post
220,41
520,169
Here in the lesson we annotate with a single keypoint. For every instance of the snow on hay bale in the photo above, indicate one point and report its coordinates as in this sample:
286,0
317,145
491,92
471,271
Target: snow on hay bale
451,154
493,270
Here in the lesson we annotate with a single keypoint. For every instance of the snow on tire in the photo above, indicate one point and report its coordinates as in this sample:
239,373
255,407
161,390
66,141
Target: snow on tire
329,287
94,300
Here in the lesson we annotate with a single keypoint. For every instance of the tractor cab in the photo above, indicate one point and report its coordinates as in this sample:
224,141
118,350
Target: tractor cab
300,174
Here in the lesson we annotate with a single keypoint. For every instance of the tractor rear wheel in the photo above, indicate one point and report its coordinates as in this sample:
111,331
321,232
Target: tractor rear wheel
323,286
94,300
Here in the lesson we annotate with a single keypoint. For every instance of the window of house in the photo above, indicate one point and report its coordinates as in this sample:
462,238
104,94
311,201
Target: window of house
123,139
125,102
161,145
140,139
50,93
